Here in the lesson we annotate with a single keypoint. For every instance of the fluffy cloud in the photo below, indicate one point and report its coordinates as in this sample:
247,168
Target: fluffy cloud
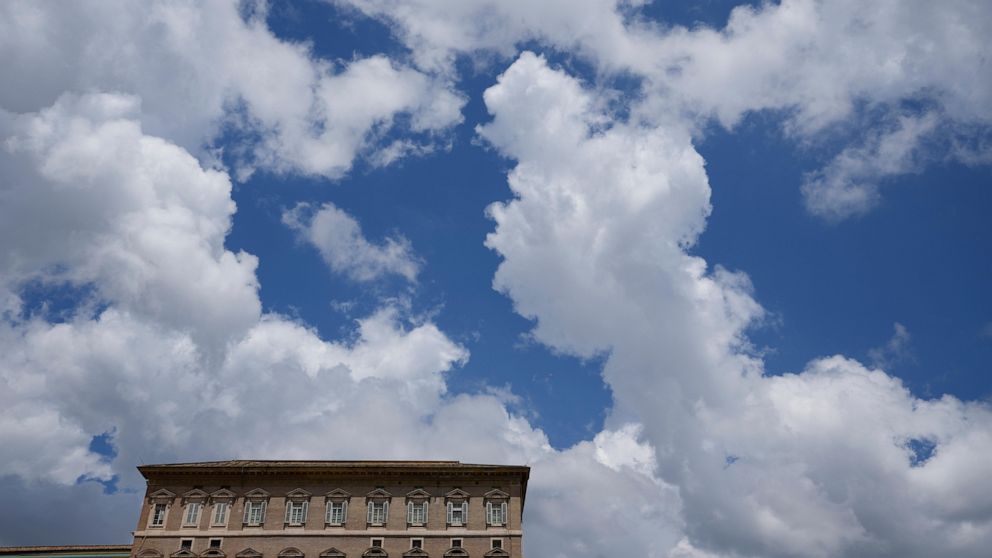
338,237
821,66
822,463
200,68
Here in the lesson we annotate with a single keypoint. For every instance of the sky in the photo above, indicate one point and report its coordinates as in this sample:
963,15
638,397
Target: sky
718,273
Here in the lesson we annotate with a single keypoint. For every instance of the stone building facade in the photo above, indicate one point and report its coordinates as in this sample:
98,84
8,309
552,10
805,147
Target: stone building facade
331,509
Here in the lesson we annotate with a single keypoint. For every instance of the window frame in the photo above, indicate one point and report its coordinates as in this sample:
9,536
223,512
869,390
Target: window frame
416,539
194,508
329,514
250,511
210,542
184,540
296,513
164,517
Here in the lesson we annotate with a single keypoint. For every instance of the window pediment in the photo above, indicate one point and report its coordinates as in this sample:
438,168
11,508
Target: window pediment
290,552
415,553
162,496
418,494
378,493
213,553
455,551
496,553
249,553
338,494
496,494
184,553
375,552
195,495
457,494
332,553
149,553
222,495
256,494
298,494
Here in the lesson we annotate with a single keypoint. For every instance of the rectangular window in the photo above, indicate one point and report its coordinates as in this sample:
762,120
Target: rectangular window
296,513
416,543
192,516
456,543
416,513
496,543
220,513
496,513
186,544
255,513
457,513
378,511
336,512
158,515
376,543
215,543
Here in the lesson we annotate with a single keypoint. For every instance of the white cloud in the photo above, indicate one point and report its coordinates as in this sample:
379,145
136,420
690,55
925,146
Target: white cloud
821,65
199,67
813,464
895,351
339,239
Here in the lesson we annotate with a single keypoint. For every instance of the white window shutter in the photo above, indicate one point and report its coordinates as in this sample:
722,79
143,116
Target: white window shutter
465,513
489,513
425,513
289,510
247,509
370,511
344,512
451,513
385,512
327,510
505,519
262,519
306,511
409,512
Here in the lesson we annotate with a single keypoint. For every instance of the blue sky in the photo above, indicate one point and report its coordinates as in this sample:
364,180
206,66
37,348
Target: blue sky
729,262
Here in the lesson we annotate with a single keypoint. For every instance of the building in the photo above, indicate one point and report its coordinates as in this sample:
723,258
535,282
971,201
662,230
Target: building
331,509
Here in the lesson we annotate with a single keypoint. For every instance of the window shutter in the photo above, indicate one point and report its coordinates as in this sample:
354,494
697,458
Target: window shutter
306,511
370,512
409,512
262,520
344,512
425,512
451,512
247,509
464,513
505,520
328,505
385,512
289,510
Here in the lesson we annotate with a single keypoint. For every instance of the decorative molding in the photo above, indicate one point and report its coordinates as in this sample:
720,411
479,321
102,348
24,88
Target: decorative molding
162,496
378,493
256,494
337,493
455,551
298,494
496,494
222,494
500,552
375,552
415,552
332,553
184,553
457,494
418,494
149,553
248,553
290,552
213,553
195,495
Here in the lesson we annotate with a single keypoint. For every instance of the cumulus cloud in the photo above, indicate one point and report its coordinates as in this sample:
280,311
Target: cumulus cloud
203,69
895,351
820,66
338,237
826,462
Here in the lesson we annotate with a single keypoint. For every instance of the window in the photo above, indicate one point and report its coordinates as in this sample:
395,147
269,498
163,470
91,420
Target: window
255,512
192,516
416,513
376,543
215,543
158,515
496,513
456,543
457,513
186,544
416,543
296,513
336,512
496,543
378,512
220,513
